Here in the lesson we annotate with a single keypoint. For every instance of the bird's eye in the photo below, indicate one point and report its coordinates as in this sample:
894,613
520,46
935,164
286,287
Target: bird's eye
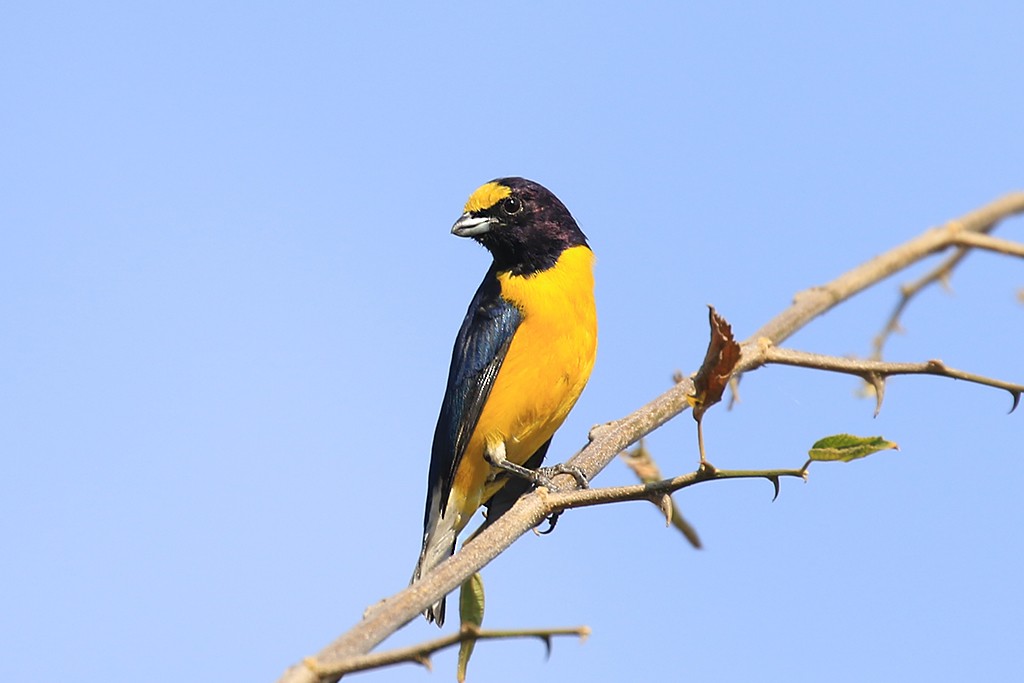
511,205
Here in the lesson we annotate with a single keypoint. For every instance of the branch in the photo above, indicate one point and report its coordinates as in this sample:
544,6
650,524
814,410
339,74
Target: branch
578,498
420,653
965,239
875,372
812,302
608,440
940,273
989,243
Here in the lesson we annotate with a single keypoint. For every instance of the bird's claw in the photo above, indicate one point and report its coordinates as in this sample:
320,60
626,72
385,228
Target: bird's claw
552,520
545,475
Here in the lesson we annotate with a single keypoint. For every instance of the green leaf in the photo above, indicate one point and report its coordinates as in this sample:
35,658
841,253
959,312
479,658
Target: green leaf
471,613
847,447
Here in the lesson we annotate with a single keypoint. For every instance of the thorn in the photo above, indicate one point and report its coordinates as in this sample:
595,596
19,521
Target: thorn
700,443
706,469
547,645
878,383
424,660
778,487
1016,399
665,505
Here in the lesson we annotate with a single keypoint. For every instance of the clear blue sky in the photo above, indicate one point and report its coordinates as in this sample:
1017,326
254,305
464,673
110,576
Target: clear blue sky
229,294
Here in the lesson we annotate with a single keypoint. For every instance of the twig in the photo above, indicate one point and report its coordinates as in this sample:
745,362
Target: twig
965,238
608,440
875,372
940,273
988,243
421,652
579,498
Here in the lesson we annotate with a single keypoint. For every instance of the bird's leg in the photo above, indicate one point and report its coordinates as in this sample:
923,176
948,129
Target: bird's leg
495,457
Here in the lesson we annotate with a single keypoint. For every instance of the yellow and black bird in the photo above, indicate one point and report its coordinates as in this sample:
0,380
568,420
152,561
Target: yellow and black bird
521,359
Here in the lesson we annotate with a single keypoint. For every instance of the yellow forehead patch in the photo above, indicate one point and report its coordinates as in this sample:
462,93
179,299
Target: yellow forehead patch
486,196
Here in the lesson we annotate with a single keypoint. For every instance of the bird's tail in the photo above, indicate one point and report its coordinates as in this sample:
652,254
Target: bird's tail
438,546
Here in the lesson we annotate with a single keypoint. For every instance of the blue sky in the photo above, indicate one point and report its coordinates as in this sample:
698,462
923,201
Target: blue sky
229,294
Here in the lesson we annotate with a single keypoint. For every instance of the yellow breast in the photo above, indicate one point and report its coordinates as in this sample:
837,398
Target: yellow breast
544,371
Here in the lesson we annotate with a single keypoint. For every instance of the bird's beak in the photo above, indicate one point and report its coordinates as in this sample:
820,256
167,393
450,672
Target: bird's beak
471,226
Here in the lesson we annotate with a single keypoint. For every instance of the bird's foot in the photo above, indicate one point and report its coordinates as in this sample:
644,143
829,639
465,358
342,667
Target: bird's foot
548,473
542,476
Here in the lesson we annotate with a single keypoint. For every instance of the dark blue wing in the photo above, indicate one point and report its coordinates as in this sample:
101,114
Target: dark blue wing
480,348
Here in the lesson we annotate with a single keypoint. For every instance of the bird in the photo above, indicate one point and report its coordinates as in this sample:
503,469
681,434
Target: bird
521,359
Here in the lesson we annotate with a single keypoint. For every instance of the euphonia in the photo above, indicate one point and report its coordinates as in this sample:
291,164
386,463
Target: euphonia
521,359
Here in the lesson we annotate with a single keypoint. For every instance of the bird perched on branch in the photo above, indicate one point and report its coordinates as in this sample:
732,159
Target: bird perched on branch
521,359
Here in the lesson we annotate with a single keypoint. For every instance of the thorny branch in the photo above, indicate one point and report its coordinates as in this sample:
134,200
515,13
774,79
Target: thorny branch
608,440
876,372
421,652
578,498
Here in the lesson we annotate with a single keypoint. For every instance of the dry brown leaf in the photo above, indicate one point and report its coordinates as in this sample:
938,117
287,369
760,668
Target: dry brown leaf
719,361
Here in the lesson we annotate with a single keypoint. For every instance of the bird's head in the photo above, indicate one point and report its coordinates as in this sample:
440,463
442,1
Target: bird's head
524,226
